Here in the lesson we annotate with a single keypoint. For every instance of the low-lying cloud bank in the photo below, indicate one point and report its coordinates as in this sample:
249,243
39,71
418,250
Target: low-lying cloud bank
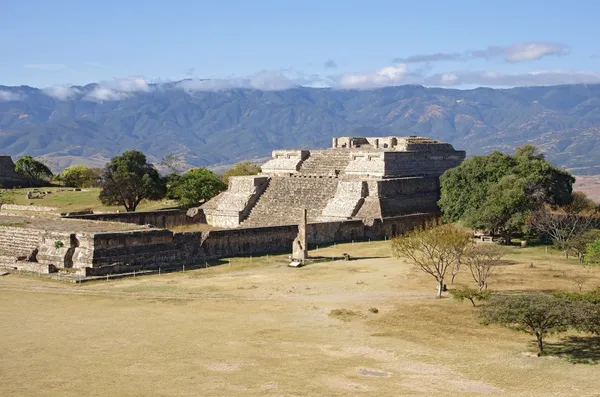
392,75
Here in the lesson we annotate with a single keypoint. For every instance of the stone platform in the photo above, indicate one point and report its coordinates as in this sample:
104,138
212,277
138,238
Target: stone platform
357,178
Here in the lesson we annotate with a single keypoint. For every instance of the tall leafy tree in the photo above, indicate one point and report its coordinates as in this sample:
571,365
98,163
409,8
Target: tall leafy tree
128,179
195,186
499,191
80,176
32,169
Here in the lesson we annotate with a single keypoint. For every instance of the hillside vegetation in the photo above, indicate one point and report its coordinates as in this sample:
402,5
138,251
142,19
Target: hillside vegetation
224,127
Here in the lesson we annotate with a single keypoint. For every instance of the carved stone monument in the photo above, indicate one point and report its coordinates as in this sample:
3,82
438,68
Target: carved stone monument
299,249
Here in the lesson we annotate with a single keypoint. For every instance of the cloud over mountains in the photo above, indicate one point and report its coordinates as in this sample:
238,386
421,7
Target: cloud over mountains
413,69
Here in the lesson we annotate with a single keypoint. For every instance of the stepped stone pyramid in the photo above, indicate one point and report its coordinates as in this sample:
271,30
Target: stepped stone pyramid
357,178
8,177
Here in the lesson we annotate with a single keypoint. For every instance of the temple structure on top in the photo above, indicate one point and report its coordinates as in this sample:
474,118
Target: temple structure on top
365,178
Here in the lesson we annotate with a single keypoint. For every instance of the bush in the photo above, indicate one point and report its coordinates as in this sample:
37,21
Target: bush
471,294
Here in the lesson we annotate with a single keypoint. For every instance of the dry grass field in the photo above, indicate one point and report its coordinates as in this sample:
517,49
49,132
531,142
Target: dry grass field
590,185
256,327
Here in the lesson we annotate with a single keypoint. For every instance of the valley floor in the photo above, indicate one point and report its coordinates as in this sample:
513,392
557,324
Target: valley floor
256,327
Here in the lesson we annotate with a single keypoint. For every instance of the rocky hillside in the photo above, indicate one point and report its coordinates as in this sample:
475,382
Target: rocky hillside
223,127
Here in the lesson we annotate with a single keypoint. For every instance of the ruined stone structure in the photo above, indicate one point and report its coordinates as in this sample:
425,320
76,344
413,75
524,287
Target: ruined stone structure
8,177
360,189
358,178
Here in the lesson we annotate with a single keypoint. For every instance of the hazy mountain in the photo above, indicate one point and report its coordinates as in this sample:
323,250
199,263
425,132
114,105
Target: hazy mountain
227,126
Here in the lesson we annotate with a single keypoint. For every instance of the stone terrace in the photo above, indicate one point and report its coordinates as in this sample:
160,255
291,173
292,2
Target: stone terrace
283,201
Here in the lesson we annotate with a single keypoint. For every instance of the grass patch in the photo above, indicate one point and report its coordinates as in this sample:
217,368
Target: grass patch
344,314
69,200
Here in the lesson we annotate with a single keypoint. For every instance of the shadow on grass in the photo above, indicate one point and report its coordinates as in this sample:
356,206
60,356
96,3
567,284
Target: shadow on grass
576,349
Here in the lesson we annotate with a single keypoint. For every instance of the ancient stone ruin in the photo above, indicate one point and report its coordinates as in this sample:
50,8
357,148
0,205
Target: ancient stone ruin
8,177
360,189
357,178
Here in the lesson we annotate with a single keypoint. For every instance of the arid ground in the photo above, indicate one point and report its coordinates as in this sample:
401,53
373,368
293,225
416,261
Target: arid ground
256,327
590,185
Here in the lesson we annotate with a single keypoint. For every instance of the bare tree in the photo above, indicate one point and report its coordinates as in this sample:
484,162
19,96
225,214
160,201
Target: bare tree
579,279
563,227
433,249
482,260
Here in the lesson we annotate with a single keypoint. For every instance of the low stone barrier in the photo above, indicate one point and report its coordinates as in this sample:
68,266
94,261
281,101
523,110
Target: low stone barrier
35,208
162,219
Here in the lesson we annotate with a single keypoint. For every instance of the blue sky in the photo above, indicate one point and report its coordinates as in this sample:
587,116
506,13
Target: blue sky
275,44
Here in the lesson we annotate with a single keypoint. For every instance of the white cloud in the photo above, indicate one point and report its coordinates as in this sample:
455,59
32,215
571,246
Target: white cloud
386,76
522,52
517,52
118,89
265,80
45,66
496,79
7,96
61,92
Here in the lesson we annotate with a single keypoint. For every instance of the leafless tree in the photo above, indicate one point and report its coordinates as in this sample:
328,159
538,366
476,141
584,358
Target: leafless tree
482,260
563,227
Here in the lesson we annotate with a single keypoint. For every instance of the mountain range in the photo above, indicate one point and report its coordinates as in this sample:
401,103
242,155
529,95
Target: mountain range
209,128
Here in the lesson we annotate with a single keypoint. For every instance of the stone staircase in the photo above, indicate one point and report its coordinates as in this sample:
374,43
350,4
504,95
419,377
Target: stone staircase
325,162
19,241
284,199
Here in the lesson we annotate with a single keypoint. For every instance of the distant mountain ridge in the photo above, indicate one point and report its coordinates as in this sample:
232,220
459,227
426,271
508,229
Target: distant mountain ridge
223,127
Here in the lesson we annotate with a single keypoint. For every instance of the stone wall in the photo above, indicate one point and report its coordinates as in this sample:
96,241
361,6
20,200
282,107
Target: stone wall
34,208
19,240
8,177
162,219
285,162
95,254
233,205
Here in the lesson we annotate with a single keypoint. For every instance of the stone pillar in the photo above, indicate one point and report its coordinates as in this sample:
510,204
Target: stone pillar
299,249
377,143
335,143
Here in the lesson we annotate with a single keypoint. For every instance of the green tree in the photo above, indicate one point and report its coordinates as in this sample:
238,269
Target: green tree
592,253
32,169
538,315
195,186
498,192
128,179
434,249
471,294
579,244
6,196
241,169
80,176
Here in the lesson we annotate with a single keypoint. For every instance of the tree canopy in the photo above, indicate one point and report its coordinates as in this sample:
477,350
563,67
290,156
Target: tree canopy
195,186
32,169
241,169
128,179
433,249
497,192
80,176
536,314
